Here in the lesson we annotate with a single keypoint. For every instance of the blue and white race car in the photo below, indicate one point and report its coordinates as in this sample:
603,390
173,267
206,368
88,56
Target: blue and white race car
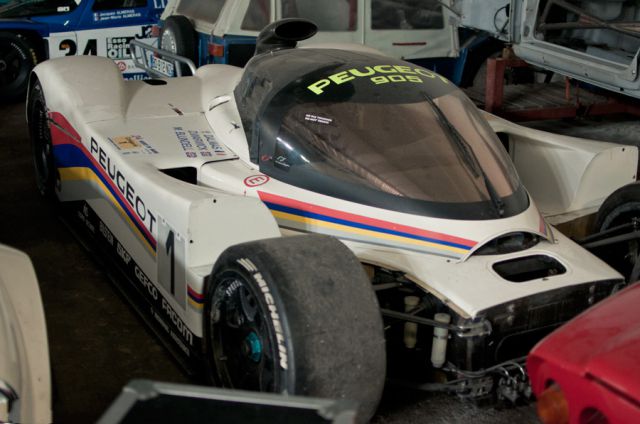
34,30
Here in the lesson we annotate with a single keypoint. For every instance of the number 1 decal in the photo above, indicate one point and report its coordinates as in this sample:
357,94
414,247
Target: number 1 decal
169,245
170,256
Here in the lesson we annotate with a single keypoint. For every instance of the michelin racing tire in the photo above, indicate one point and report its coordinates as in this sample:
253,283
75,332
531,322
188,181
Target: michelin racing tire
178,36
620,208
18,56
41,144
295,315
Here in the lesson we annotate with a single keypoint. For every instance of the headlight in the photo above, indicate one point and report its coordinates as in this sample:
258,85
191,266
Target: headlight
552,406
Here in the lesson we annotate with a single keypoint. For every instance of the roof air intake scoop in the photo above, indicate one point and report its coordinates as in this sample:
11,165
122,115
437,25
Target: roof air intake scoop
284,34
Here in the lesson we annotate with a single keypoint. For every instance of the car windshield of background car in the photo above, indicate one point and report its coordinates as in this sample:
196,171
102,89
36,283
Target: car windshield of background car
406,14
329,15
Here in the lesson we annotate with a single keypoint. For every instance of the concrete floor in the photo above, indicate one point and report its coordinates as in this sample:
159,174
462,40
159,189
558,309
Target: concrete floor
97,343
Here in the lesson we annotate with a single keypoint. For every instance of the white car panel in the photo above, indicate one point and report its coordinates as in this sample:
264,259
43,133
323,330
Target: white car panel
24,353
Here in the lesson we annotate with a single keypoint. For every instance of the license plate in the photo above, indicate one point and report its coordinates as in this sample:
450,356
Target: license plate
162,66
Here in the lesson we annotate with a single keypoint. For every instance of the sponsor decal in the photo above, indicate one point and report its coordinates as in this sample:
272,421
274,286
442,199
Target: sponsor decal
161,309
121,66
126,190
378,74
83,217
199,143
145,32
256,180
135,76
113,15
317,119
132,145
76,163
159,4
126,142
171,253
118,47
71,48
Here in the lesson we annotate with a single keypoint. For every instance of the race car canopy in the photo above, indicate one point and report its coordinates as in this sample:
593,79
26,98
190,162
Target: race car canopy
376,131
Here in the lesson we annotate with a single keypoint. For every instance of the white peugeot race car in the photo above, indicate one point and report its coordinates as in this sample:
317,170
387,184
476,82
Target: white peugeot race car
416,252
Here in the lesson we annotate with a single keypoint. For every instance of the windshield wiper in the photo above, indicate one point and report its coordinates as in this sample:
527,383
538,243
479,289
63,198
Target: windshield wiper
468,156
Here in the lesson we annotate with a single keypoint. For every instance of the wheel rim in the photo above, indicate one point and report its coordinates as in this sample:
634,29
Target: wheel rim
242,338
14,66
168,41
42,146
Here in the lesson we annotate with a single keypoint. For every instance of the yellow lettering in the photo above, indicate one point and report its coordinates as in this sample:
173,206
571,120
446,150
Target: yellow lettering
425,73
357,73
341,77
429,74
380,80
404,69
317,87
381,69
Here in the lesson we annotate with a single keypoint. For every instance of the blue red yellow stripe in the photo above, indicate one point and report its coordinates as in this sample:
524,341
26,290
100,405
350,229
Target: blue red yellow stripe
298,215
196,300
74,162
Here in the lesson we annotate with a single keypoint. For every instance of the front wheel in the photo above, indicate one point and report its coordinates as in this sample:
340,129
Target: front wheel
295,315
17,58
46,173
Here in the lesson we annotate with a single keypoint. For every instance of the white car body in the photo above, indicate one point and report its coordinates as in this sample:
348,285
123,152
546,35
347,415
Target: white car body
109,111
113,138
569,177
24,355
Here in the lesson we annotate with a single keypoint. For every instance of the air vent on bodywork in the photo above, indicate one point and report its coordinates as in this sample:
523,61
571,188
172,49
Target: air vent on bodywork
154,81
529,268
188,174
508,243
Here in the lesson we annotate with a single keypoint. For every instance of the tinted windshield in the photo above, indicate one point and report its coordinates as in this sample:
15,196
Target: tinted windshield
25,8
388,135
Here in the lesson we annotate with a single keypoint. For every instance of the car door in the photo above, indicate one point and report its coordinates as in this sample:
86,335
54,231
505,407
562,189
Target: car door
410,29
596,41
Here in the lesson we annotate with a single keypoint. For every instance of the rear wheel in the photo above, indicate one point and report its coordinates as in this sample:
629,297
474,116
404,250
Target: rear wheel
295,315
620,213
40,134
17,58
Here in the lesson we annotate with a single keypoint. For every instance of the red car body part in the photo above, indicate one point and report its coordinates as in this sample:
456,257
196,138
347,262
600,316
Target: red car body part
592,364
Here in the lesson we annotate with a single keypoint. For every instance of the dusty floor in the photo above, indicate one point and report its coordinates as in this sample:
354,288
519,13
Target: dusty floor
97,343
